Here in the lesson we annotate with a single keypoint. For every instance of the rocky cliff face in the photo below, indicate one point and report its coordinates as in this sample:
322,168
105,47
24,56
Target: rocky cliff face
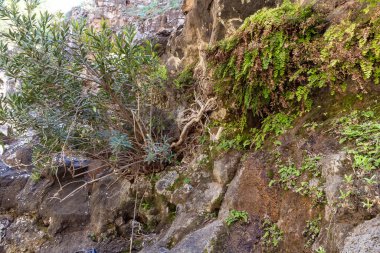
185,207
207,22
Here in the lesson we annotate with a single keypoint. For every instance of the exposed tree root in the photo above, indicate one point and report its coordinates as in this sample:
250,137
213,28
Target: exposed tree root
194,118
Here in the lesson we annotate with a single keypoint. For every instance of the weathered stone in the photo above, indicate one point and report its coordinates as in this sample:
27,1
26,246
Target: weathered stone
183,224
167,181
333,170
73,212
110,199
213,197
181,195
4,224
11,183
250,187
202,240
32,195
365,238
18,154
23,236
225,167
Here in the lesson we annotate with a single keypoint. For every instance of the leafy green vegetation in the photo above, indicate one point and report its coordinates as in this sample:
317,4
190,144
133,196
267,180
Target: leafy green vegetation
320,250
281,57
235,216
304,180
235,136
186,78
312,230
82,91
360,134
272,236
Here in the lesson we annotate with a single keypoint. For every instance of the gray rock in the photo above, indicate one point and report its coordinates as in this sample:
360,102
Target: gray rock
110,199
365,238
168,180
11,183
73,212
24,236
202,240
31,196
225,167
213,197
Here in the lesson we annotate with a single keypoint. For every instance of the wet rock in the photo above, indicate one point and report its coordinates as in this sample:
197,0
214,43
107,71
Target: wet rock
365,238
226,167
202,240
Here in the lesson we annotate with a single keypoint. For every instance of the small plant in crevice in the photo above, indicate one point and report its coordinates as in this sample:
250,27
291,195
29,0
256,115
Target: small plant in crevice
305,180
359,134
237,136
312,230
272,235
235,216
320,250
185,79
273,125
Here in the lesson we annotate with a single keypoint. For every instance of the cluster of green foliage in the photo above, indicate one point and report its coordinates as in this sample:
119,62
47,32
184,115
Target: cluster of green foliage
236,136
186,78
272,236
301,180
261,68
235,216
312,230
360,133
320,250
280,57
81,90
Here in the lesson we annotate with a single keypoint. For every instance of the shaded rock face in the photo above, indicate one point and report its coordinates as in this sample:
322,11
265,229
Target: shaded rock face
44,210
11,183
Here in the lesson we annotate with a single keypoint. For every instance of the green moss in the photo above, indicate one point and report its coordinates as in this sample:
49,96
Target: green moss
186,78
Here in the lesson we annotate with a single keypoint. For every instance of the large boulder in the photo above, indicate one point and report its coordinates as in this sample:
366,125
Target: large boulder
202,240
365,238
